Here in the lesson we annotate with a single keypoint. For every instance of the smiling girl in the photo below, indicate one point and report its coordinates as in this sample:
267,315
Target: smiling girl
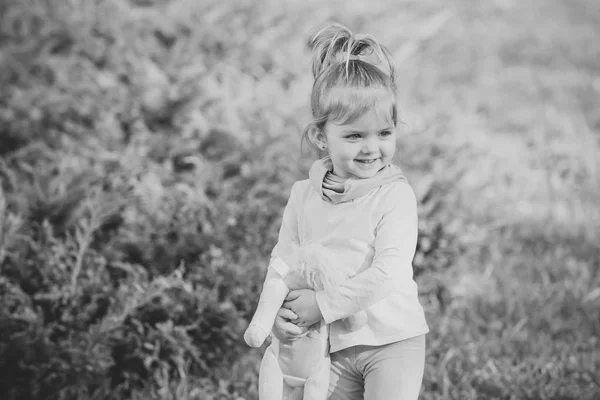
359,205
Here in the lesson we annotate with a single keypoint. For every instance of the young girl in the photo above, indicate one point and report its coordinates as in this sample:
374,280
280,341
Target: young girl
357,203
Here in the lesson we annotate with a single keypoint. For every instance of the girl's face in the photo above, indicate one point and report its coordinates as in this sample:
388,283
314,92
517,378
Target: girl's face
362,147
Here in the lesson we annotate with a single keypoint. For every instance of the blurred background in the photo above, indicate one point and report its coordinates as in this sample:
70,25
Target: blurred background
147,148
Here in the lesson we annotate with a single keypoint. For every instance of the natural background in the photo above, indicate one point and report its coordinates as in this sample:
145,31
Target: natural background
147,149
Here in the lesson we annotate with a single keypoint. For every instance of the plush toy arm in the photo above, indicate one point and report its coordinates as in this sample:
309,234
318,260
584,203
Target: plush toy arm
272,297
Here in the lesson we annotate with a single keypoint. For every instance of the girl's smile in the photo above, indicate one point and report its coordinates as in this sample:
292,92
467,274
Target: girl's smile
367,161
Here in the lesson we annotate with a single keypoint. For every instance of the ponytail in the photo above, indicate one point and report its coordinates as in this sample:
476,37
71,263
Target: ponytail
335,44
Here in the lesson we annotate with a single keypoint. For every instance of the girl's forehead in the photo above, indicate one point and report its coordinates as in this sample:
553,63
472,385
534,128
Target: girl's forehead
371,118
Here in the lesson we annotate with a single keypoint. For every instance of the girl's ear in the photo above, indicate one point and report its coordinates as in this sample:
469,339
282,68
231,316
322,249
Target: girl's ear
317,137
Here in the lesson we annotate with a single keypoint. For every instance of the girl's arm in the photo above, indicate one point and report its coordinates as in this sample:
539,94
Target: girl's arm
288,232
288,236
395,245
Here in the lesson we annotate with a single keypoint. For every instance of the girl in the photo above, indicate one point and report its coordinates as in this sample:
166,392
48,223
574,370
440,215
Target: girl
357,203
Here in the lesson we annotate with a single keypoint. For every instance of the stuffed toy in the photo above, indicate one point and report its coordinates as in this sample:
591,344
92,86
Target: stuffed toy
298,369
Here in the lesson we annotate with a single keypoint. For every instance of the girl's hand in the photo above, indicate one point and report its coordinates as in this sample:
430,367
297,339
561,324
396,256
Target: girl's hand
303,302
284,330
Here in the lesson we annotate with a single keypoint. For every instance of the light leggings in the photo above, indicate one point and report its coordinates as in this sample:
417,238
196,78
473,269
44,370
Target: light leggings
389,372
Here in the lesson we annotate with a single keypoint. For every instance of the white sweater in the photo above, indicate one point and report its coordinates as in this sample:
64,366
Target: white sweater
373,229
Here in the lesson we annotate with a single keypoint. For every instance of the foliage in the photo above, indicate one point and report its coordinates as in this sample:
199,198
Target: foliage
147,149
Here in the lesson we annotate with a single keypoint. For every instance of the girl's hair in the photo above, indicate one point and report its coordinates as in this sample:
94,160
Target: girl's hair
348,78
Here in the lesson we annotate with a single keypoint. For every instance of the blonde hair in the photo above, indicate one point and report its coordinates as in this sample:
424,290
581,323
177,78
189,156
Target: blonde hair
348,81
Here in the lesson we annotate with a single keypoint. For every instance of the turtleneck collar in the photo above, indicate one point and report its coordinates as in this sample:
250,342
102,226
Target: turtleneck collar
351,187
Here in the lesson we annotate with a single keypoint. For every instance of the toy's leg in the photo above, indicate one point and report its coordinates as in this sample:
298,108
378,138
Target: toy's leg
317,384
270,379
271,299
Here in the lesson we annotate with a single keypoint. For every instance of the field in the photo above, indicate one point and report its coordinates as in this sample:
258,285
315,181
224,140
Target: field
147,148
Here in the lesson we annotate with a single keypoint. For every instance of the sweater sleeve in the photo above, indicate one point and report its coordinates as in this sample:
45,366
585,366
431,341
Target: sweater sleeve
395,245
288,232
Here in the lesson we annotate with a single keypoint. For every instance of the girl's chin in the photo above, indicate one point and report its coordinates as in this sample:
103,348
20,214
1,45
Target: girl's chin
361,170
365,175
362,174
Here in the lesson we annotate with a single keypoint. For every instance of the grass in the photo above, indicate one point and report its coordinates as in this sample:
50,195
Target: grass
500,101
515,95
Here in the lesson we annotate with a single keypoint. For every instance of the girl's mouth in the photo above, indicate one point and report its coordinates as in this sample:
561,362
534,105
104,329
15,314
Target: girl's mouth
371,161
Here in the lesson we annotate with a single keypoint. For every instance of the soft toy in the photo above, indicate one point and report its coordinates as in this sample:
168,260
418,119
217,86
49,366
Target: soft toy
298,369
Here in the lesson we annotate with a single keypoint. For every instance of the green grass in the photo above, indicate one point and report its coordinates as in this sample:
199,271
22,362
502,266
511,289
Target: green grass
108,102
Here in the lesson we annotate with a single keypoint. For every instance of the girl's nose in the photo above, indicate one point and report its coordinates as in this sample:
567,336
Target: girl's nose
370,146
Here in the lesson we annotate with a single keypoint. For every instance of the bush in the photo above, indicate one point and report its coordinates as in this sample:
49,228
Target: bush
133,236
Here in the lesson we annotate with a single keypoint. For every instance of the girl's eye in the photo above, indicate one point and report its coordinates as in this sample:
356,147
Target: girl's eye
354,136
385,133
